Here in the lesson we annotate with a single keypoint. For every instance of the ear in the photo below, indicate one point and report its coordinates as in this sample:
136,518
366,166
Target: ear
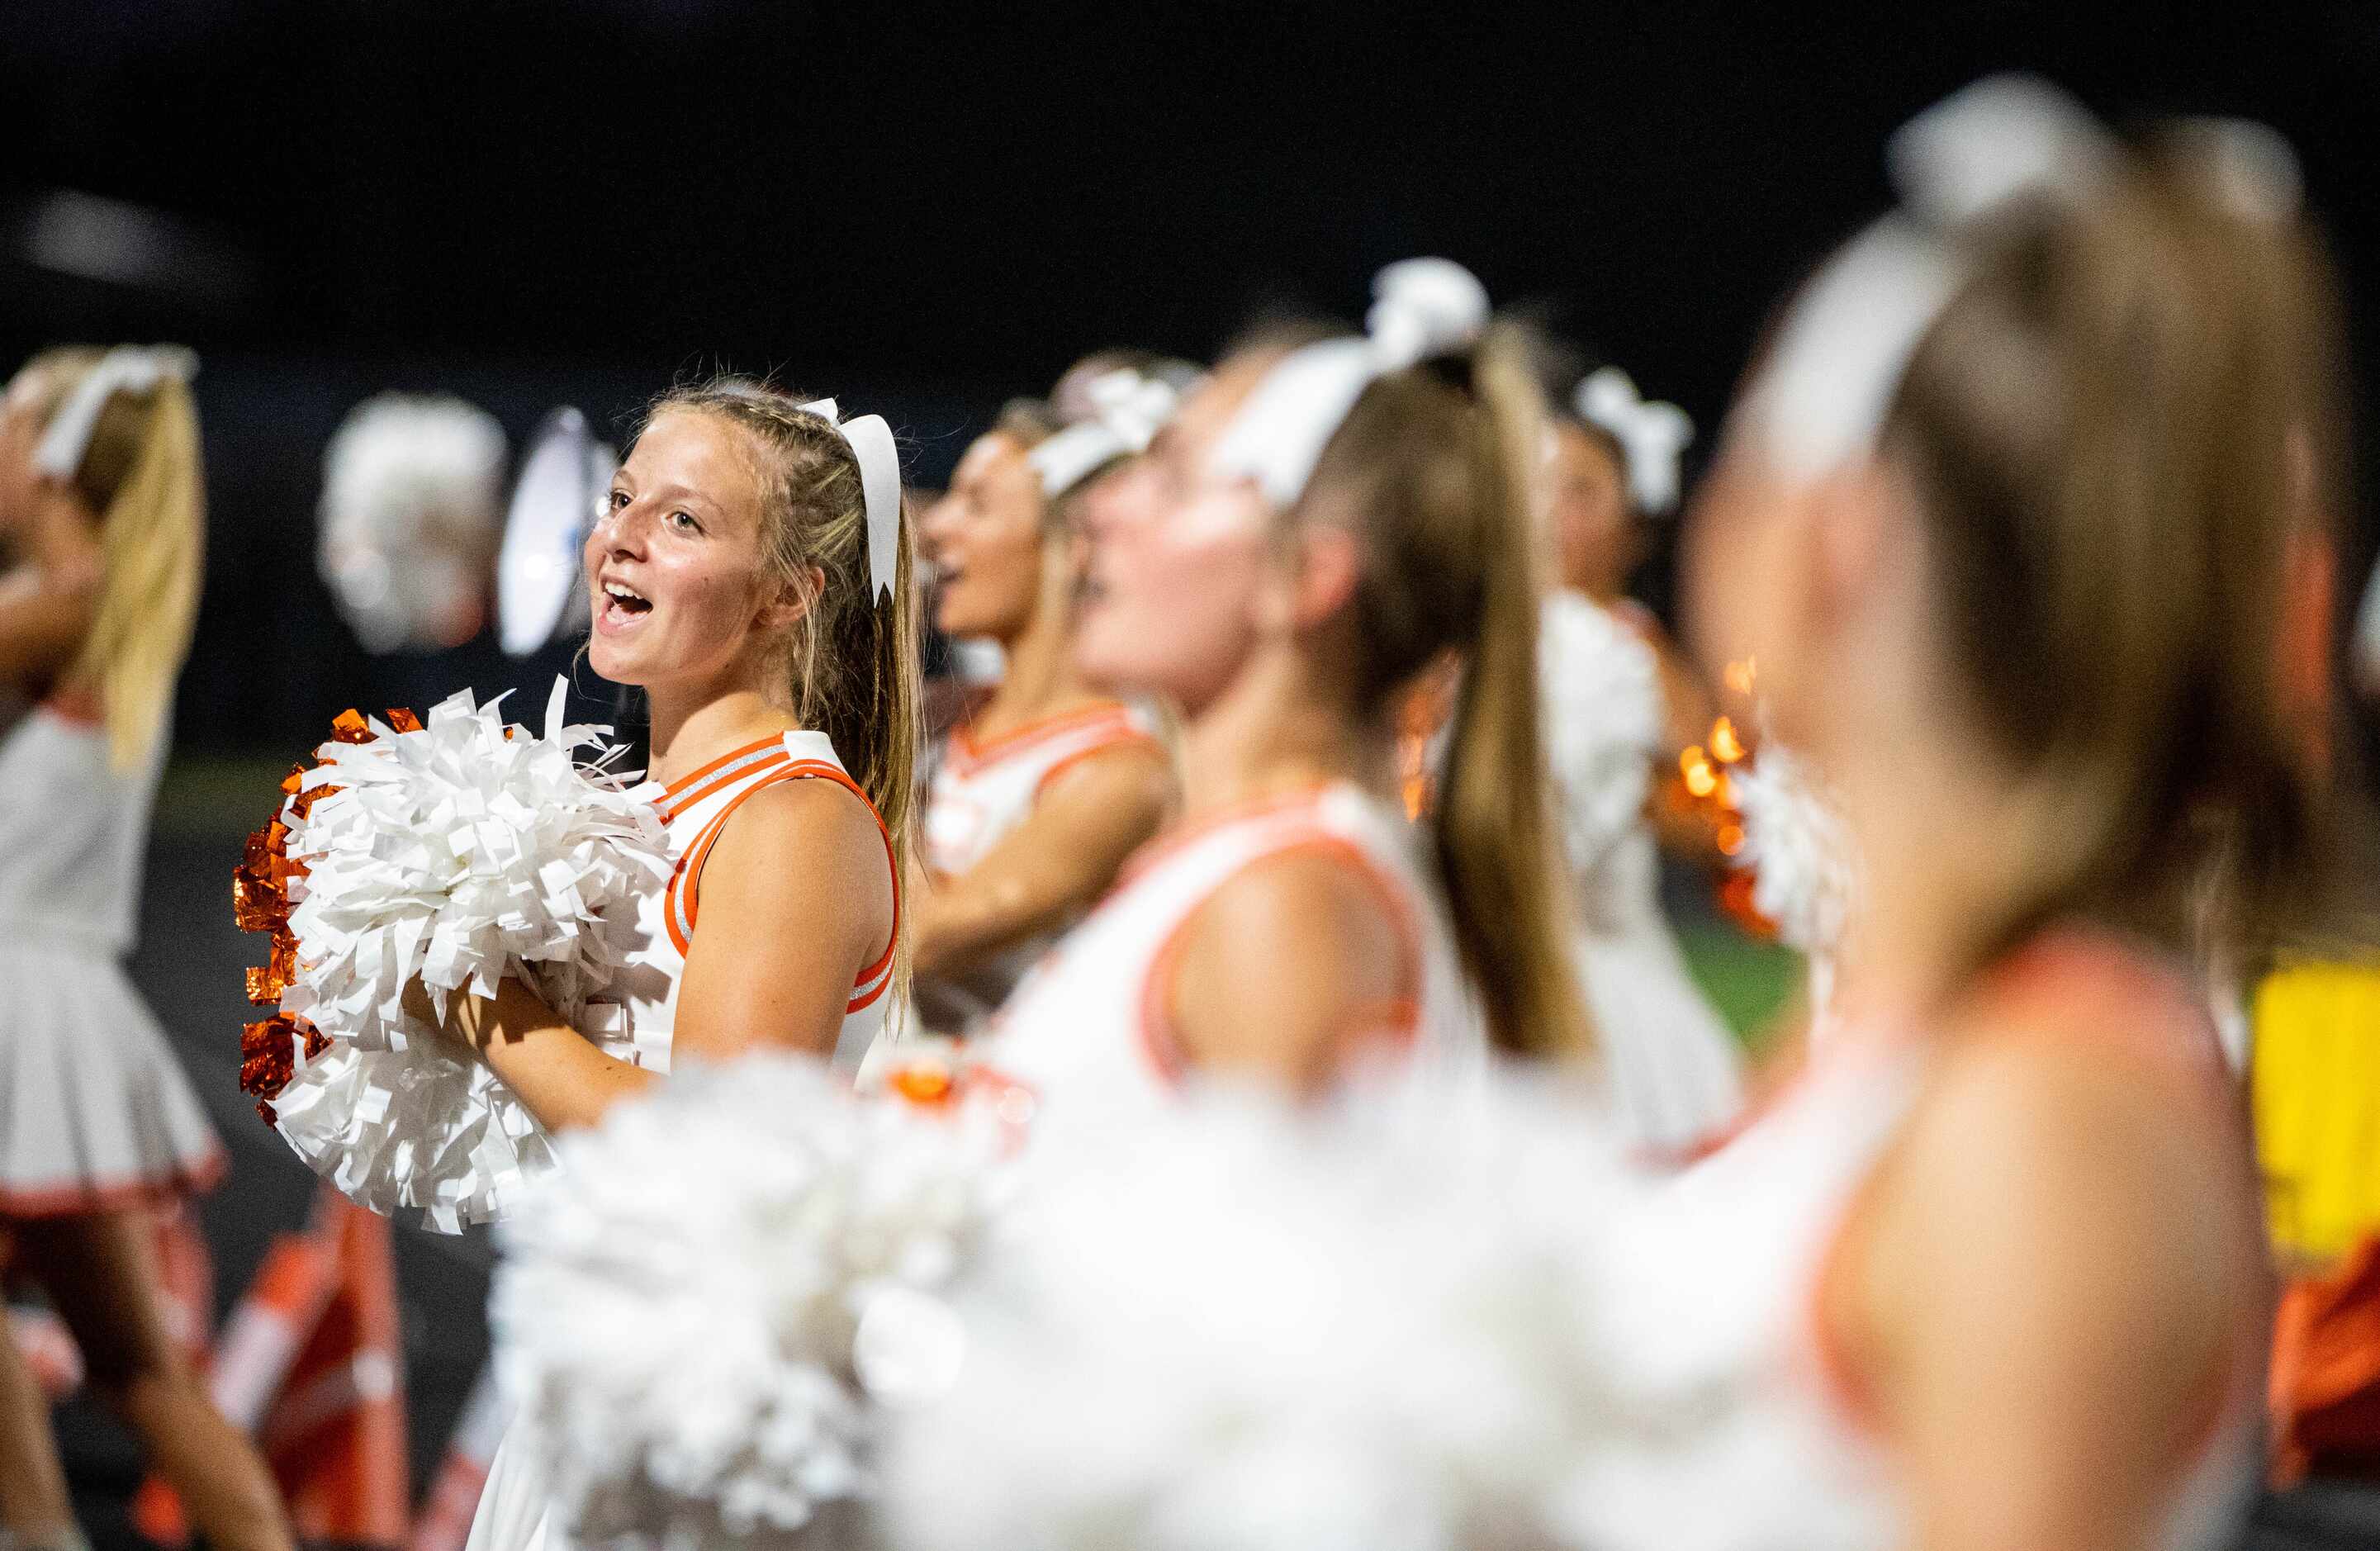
1326,563
788,602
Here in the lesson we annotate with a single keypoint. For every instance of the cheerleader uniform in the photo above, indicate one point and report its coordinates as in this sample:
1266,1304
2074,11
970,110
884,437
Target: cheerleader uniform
1672,1068
637,1017
1093,1018
1788,1452
981,791
96,1113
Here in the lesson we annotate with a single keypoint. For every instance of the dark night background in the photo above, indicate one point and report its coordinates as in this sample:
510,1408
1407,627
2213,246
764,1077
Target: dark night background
923,210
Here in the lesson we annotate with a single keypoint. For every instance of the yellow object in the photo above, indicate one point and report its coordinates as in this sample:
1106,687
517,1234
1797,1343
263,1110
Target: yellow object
2315,1080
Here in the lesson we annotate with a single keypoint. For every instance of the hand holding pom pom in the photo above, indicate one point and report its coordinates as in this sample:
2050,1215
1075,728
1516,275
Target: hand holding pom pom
412,863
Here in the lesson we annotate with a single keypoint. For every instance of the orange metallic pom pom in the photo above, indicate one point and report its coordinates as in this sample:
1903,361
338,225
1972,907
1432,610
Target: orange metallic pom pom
402,721
924,1081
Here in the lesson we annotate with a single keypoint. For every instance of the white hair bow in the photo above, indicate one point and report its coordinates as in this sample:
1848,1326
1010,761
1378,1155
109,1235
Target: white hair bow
131,369
1843,347
1421,307
1128,410
1651,435
871,440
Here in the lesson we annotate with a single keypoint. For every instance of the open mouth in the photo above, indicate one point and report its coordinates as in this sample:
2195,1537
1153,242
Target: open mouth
623,605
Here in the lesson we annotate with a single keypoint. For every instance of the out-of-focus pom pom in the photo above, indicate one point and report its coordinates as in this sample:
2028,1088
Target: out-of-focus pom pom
1805,877
412,489
705,1316
1247,1327
457,853
1600,691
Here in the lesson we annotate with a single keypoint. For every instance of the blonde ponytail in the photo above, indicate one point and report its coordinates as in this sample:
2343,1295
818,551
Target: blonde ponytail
143,477
1434,463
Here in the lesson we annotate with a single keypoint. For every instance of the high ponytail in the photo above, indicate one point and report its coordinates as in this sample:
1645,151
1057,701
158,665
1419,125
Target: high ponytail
2100,427
1436,462
144,477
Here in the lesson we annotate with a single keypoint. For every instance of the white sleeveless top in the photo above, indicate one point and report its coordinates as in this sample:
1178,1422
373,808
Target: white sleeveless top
1092,1018
642,999
1739,1249
981,791
73,830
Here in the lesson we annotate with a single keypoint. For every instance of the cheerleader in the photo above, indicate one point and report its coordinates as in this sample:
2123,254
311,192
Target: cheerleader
1315,528
750,574
1042,793
1672,1065
102,509
2005,515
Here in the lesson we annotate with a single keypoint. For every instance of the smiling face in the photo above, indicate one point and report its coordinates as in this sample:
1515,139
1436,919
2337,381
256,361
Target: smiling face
1183,572
676,571
987,542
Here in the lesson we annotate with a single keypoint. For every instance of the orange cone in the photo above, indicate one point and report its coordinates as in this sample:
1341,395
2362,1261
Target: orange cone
311,1362
445,1520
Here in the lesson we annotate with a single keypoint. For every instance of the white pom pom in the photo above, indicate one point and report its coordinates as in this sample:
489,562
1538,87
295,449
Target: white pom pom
705,1318
1600,692
1805,872
411,492
1245,1327
457,856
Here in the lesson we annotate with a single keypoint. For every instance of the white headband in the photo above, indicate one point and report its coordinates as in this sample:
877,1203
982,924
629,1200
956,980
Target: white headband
1651,435
1843,349
131,369
871,440
1128,410
1422,307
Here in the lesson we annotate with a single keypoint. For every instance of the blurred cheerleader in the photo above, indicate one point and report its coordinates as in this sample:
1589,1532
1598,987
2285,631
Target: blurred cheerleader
102,509
1618,689
751,574
1042,793
1317,528
2006,514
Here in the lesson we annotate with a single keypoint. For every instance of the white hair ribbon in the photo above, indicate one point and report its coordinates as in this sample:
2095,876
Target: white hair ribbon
1421,307
130,369
1843,349
871,440
1128,410
1651,435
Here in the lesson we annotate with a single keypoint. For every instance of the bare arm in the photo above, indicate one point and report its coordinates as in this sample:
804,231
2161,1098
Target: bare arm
796,900
2045,1302
1051,867
44,619
1287,970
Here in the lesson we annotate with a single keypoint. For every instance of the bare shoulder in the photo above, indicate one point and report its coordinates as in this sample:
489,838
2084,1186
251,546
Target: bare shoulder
822,823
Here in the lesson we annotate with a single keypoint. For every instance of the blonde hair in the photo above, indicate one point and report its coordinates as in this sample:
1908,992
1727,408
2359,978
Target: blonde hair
851,663
144,477
2099,426
1435,464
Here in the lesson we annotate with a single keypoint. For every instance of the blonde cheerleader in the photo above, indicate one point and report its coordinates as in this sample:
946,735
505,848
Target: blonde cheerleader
1317,528
101,512
2004,515
1038,796
751,574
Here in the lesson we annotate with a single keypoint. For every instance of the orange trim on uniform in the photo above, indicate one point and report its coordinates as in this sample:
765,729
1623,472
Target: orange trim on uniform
76,707
965,756
1161,1042
671,791
1196,827
685,895
1128,736
77,1200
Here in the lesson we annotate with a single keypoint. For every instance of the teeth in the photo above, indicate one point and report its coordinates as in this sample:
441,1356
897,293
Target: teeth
615,590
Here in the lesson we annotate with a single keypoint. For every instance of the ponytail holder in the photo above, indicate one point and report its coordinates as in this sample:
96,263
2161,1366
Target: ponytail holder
1421,307
131,368
1651,436
1839,355
1127,411
871,440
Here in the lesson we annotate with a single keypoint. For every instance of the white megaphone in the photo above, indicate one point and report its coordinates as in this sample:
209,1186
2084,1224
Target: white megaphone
563,479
